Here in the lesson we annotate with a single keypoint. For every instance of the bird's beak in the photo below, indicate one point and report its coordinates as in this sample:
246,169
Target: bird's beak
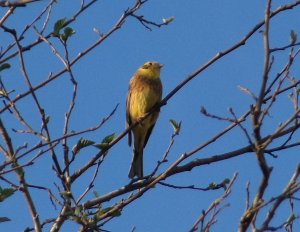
161,65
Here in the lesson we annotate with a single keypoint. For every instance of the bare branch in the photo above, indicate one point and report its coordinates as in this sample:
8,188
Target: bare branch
18,3
213,207
292,187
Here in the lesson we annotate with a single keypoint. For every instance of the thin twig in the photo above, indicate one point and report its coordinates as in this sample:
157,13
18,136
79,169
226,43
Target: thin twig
214,205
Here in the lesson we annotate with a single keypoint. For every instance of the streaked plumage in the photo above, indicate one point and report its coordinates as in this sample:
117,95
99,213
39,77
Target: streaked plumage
145,90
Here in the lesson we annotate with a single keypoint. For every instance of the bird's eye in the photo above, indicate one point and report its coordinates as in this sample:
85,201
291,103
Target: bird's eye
150,63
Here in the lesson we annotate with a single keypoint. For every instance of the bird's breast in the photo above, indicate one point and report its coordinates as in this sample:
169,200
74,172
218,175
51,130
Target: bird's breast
142,101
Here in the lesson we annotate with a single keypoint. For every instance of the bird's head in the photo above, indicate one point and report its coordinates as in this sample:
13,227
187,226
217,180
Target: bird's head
150,69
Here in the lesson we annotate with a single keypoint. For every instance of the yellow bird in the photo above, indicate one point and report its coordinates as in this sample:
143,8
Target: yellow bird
145,91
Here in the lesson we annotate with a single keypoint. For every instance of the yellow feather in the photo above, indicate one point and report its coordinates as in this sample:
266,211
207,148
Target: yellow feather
145,90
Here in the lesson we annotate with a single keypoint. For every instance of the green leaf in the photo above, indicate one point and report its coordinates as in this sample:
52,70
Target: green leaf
2,93
116,213
4,219
203,110
290,220
108,138
77,211
5,193
96,194
168,20
106,141
66,193
96,217
224,183
176,126
101,211
18,170
212,185
82,143
4,66
47,119
58,26
68,32
84,217
293,37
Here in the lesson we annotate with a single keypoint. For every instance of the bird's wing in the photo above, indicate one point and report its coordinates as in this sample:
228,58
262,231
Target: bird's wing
154,116
148,134
128,119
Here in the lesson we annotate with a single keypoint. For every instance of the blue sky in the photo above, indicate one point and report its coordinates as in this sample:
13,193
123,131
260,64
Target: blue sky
199,31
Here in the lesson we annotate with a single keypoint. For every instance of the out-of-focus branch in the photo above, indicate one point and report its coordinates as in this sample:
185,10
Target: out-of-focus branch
7,14
21,176
60,219
6,139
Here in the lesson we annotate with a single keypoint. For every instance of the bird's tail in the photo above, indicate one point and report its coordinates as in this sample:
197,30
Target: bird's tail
136,168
